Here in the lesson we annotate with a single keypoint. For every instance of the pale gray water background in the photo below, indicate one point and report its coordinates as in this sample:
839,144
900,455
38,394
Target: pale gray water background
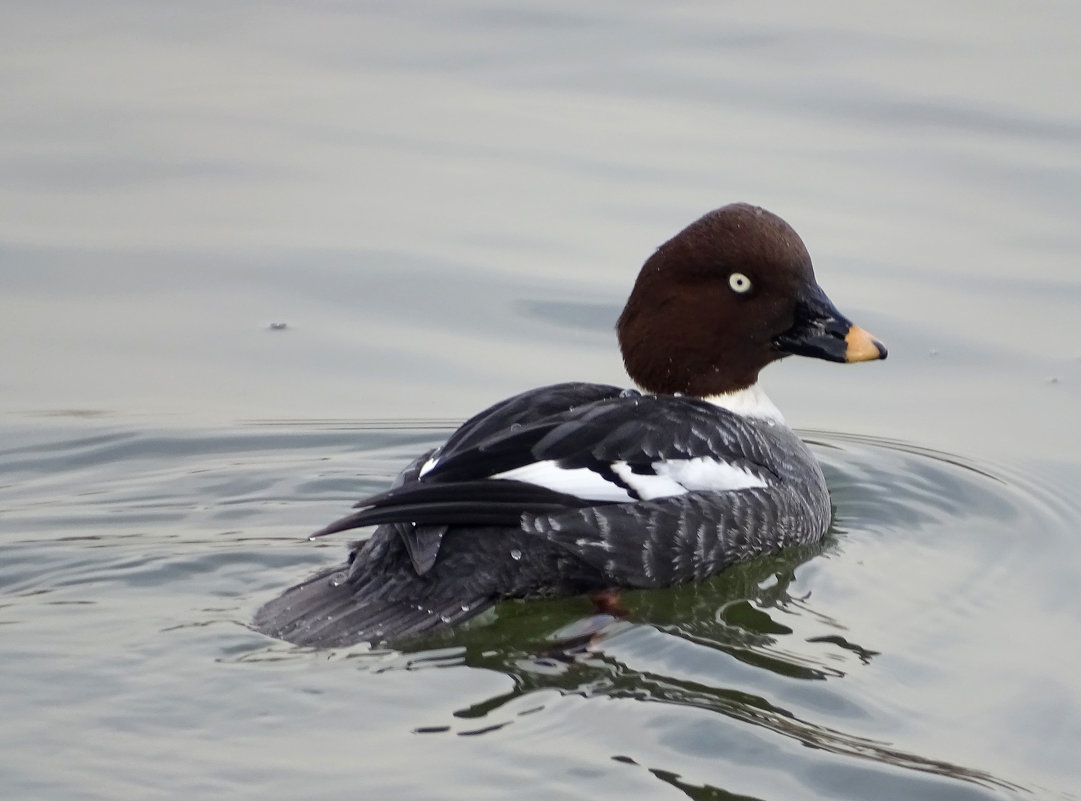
447,203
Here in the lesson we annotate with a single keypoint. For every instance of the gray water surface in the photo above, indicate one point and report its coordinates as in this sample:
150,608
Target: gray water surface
255,257
906,656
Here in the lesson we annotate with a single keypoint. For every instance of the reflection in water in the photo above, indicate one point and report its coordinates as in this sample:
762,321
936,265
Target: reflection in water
683,646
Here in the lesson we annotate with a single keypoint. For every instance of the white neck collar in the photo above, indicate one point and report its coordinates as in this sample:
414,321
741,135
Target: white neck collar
749,402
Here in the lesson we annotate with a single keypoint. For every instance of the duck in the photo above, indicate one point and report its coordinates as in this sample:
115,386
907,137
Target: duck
585,488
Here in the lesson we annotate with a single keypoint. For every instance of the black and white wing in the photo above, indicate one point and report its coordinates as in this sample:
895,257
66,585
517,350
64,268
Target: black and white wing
563,448
421,512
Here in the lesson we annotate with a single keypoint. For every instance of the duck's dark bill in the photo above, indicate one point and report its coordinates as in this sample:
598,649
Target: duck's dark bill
822,332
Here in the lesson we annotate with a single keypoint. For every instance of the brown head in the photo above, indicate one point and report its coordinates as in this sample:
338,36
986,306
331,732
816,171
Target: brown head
723,298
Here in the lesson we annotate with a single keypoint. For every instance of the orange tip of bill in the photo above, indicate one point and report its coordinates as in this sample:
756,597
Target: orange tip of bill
862,347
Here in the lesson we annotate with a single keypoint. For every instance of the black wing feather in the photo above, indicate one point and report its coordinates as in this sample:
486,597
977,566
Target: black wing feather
510,427
489,502
638,430
525,409
576,425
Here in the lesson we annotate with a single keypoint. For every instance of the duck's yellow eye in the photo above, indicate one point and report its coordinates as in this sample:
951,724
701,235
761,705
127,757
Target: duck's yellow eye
739,282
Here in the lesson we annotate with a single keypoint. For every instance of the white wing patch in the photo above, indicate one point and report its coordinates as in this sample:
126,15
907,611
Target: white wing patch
580,482
678,476
705,473
646,485
671,477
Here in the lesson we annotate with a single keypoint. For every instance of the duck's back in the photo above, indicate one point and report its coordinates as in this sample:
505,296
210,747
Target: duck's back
558,491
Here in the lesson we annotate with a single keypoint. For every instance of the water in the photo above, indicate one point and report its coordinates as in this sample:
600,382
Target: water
907,651
446,204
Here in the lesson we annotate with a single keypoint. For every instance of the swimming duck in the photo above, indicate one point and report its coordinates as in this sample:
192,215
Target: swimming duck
583,488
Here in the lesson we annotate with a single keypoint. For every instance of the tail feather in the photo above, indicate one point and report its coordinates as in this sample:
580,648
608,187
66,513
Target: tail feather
327,610
380,596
